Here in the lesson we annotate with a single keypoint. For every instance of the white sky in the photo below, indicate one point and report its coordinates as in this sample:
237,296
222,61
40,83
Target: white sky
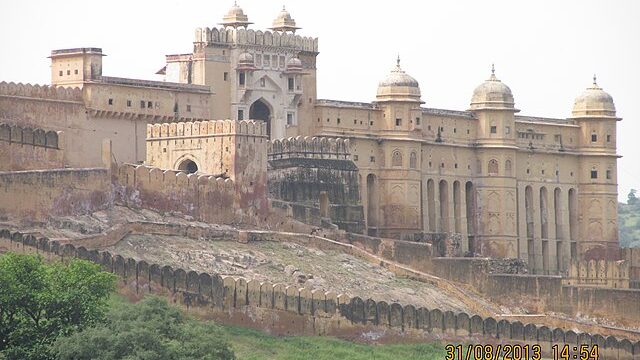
546,51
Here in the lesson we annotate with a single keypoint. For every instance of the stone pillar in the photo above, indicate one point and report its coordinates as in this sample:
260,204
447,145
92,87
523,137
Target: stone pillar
566,234
537,233
522,223
463,217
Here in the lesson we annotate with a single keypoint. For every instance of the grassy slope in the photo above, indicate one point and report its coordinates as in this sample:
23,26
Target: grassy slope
253,345
249,344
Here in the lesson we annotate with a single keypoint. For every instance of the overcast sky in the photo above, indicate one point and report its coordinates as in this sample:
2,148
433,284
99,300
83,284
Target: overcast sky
546,51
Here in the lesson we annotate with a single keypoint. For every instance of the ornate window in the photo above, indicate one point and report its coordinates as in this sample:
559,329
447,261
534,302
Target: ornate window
493,167
413,159
396,158
507,167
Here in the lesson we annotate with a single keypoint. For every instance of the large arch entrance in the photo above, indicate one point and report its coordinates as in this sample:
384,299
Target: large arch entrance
189,166
259,110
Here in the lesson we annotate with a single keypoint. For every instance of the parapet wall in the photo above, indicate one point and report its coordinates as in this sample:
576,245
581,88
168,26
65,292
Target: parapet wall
210,36
309,147
38,195
24,148
289,310
203,197
40,91
604,273
206,128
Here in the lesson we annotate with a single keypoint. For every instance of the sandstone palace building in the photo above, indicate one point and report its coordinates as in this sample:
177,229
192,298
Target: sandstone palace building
495,183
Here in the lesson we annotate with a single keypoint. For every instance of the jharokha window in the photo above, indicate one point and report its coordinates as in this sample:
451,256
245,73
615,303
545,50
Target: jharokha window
396,158
413,159
493,167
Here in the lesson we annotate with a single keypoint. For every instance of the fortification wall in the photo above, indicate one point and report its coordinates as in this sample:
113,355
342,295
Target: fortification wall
302,171
210,36
226,148
62,109
541,292
37,195
203,197
289,310
24,148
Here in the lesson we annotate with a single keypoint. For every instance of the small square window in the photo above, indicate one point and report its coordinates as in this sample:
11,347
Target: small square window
241,79
240,114
428,127
355,122
528,171
225,76
608,138
594,137
371,123
128,103
338,120
355,157
318,119
188,108
110,101
594,174
494,129
455,165
455,131
372,159
398,122
290,83
507,130
429,163
75,71
60,73
542,171
290,119
467,131
263,83
608,174
442,165
150,104
417,121
68,72
142,104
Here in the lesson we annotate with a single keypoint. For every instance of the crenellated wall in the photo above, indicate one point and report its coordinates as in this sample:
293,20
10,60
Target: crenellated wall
289,310
210,36
223,148
317,179
40,91
24,148
206,198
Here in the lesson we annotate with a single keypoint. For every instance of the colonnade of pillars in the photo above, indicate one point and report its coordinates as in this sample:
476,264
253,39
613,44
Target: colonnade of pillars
547,231
449,207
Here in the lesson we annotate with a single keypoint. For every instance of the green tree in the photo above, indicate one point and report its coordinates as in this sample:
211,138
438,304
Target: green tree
631,198
151,329
40,301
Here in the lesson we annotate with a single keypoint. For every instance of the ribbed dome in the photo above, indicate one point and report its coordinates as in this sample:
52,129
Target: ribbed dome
398,86
594,102
245,61
492,94
294,63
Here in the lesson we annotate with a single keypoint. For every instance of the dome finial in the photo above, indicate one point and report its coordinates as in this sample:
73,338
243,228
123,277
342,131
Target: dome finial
594,80
398,60
493,69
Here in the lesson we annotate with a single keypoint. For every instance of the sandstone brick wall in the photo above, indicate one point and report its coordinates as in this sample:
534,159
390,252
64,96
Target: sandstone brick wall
24,148
40,194
288,310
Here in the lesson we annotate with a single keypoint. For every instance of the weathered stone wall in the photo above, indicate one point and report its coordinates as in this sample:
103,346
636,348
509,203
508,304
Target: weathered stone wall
302,170
547,293
603,273
40,194
24,148
288,310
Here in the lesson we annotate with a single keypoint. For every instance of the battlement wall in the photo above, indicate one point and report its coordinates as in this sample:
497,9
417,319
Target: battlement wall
290,310
255,37
24,148
309,147
40,91
206,128
204,197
